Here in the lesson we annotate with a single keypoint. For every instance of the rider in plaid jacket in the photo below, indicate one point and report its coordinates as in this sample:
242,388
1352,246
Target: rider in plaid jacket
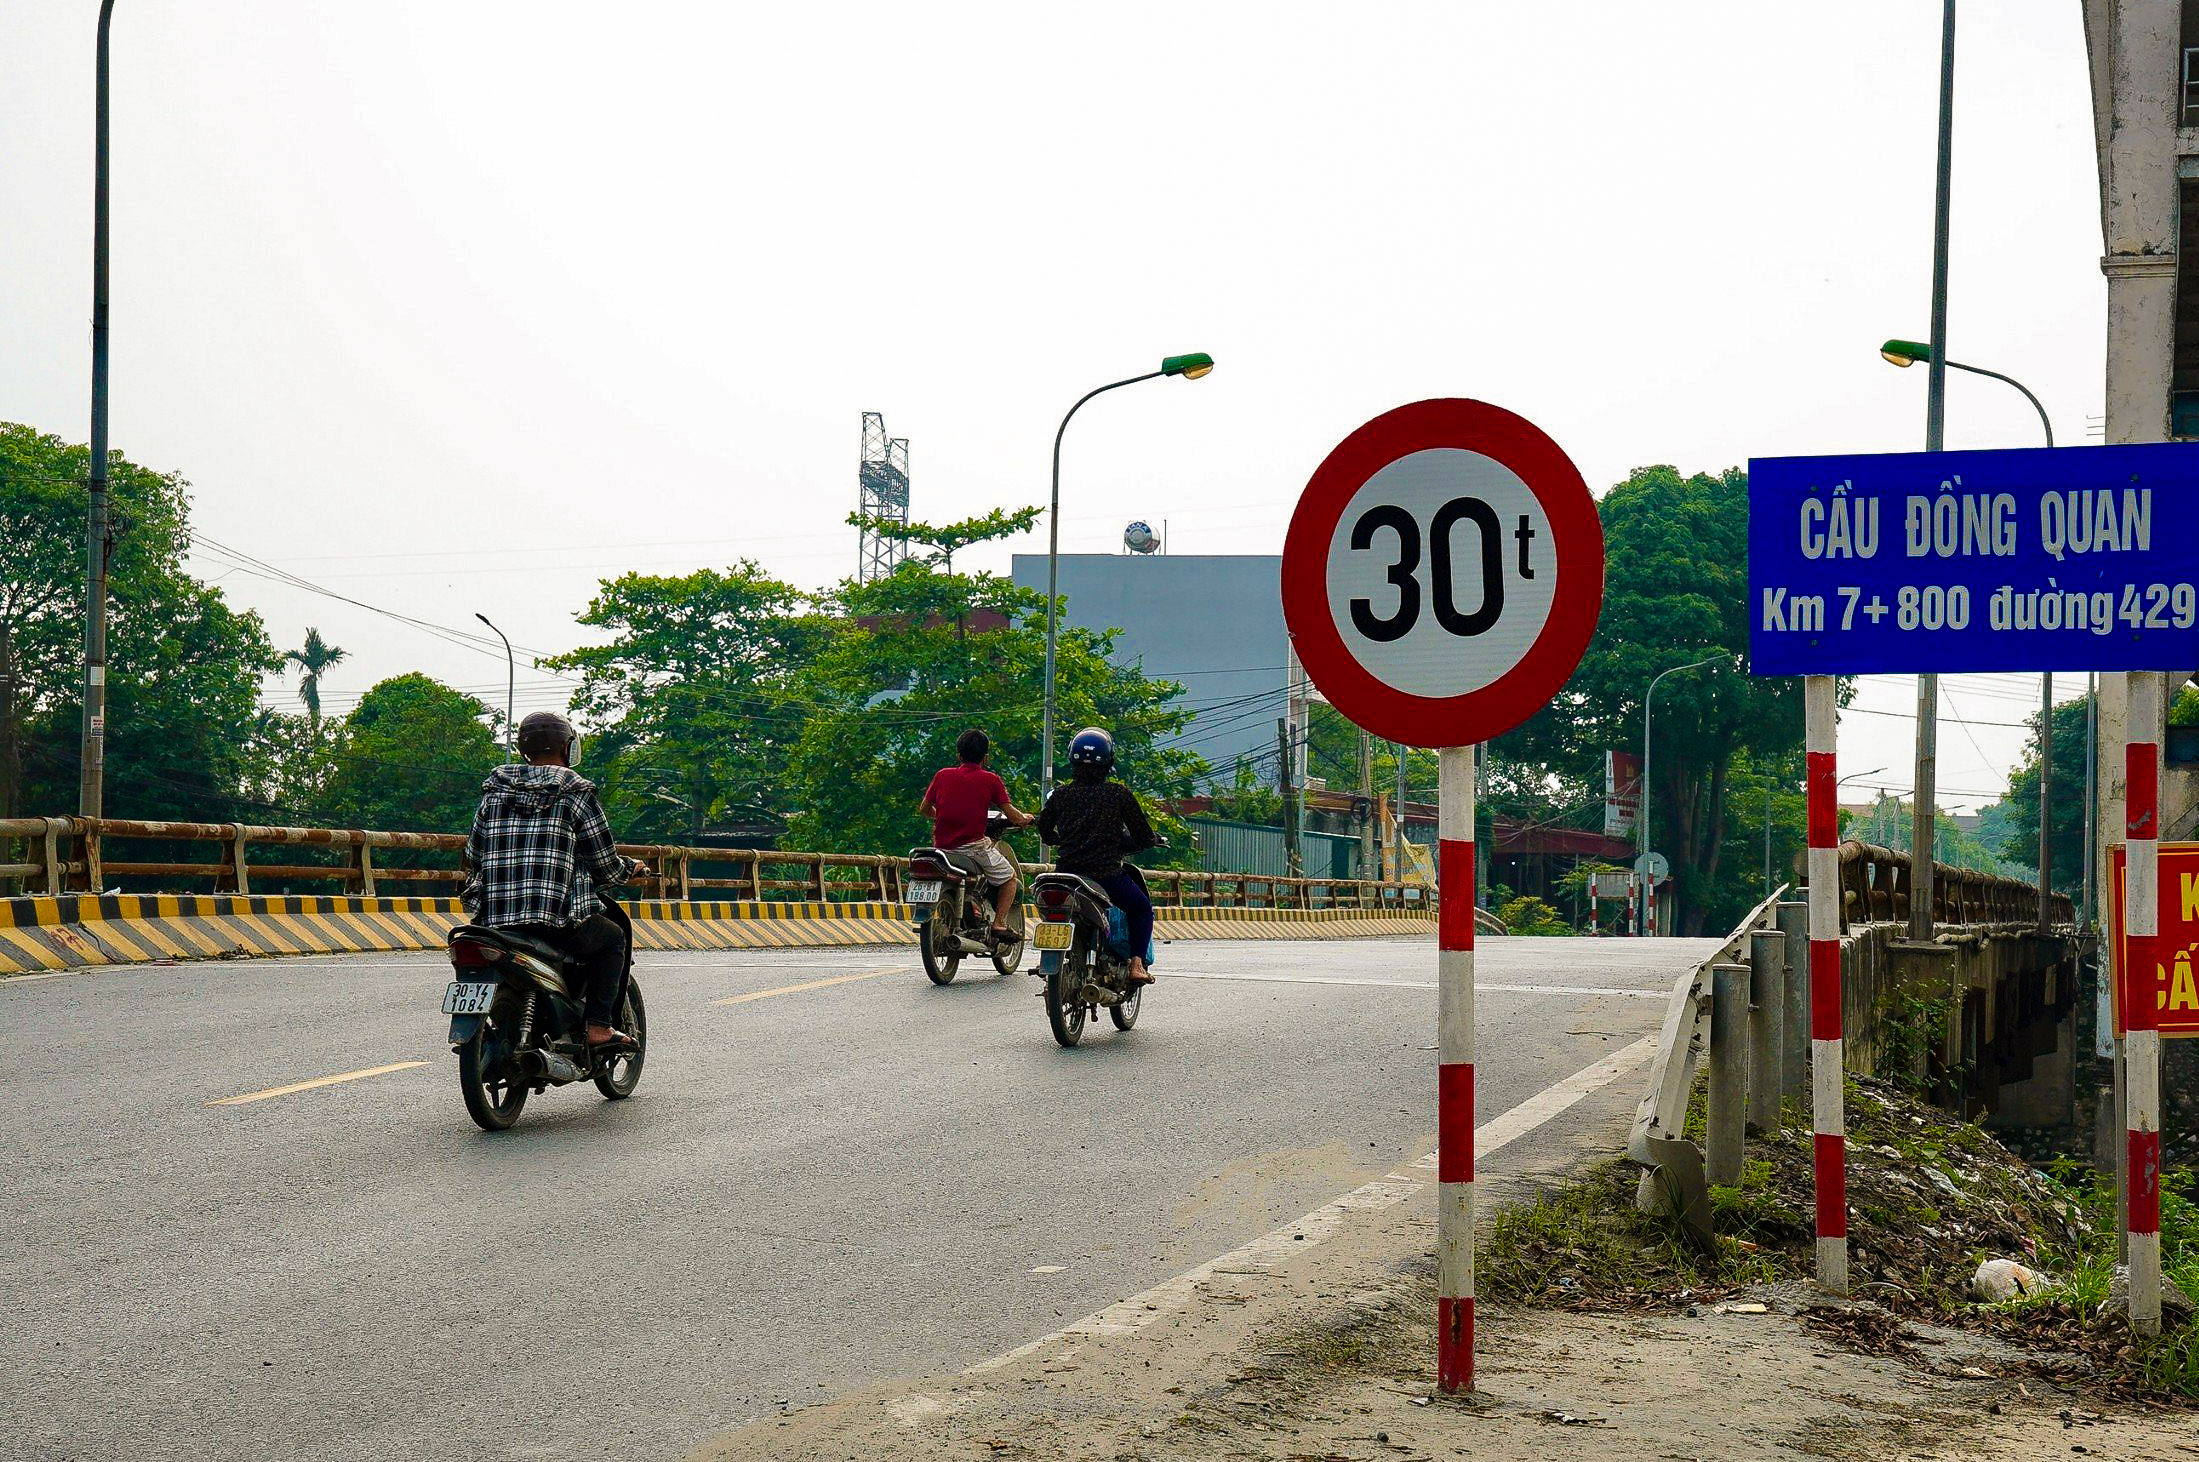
539,850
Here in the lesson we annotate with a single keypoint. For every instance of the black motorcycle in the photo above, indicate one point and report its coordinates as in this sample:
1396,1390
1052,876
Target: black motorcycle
518,1025
954,909
1082,959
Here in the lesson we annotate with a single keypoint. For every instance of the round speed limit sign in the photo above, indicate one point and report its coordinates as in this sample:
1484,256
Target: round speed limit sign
1443,573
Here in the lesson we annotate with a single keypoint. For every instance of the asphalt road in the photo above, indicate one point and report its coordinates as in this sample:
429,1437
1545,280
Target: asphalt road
849,1175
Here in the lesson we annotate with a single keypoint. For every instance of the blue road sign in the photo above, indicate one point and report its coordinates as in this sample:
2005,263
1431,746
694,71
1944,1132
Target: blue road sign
2049,558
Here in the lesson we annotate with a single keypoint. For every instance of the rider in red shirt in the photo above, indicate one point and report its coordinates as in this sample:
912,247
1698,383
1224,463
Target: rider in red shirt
957,801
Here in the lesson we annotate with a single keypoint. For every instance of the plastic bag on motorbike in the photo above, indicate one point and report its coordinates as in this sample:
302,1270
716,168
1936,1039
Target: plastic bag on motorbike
1118,937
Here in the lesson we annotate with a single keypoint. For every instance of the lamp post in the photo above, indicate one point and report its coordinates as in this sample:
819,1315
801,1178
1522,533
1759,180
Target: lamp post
1190,367
1905,353
1645,899
511,680
92,753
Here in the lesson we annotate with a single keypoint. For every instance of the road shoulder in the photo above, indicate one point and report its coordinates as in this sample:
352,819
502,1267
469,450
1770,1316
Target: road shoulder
1328,1354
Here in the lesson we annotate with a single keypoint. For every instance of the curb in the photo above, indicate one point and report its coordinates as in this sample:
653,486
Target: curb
71,931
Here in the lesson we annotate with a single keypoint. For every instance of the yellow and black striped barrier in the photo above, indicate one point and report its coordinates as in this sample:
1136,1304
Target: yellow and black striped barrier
70,931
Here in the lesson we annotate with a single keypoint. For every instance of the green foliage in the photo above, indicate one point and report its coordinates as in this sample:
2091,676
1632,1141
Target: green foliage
908,674
945,540
1912,1028
2018,811
2085,1270
1888,825
1249,798
690,703
315,657
1676,590
412,757
1531,916
183,667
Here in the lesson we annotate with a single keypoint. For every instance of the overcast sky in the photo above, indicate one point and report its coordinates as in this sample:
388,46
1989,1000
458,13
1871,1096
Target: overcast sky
457,305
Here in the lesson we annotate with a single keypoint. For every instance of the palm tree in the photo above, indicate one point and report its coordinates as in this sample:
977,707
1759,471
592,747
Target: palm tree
312,660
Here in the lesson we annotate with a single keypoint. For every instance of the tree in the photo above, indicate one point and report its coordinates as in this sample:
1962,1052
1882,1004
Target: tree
945,540
183,668
1676,590
2020,807
690,702
924,654
314,658
411,757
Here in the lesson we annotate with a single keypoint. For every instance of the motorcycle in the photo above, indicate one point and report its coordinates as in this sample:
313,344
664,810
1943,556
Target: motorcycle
1083,954
518,1026
954,908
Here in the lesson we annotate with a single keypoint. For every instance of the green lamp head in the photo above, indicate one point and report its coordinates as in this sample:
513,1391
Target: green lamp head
1905,353
1190,367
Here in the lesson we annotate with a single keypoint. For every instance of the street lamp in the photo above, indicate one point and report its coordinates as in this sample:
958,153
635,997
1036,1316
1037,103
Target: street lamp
511,678
1190,367
1641,868
1905,353
92,754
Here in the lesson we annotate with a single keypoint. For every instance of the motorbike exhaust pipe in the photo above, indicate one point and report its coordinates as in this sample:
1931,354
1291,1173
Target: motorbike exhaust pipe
549,1066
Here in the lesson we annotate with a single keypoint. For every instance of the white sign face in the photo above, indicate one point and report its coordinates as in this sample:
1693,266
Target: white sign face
1441,572
1610,885
1653,866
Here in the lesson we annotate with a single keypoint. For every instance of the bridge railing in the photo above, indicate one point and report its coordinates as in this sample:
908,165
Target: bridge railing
1875,887
74,854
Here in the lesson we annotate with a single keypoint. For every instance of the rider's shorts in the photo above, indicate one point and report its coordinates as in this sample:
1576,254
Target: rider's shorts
987,855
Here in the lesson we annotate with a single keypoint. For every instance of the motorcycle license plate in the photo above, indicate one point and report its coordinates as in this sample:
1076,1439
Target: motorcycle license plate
464,997
926,892
1054,936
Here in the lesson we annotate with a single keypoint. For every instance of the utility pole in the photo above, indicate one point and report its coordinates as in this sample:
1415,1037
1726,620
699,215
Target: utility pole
1293,860
92,755
1403,862
2046,801
1369,854
1923,812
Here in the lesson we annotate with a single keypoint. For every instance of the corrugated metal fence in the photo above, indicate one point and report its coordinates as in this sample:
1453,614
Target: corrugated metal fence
1248,847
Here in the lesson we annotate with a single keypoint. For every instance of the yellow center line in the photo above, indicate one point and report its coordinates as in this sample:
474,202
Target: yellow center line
276,1091
807,985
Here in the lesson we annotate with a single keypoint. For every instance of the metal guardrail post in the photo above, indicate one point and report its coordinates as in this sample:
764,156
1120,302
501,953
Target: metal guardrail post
1726,1108
1794,1045
57,868
361,881
1767,1027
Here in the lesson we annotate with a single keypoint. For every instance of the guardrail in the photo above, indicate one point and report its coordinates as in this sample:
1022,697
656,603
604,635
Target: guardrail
73,855
1875,888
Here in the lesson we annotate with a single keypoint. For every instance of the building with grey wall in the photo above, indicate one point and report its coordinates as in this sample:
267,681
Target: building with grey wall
1212,622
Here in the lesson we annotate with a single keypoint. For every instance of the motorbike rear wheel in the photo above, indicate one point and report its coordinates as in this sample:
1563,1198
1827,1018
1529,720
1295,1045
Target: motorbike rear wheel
494,1095
624,1074
942,956
1065,1000
1124,1013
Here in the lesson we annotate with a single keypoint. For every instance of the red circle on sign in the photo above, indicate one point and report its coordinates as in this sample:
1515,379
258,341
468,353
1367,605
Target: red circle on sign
1576,540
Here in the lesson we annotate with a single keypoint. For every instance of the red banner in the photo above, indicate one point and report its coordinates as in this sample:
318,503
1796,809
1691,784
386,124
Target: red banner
2175,983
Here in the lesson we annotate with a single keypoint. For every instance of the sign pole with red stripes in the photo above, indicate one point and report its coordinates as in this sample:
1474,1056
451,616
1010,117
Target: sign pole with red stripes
1441,577
1454,1106
1827,1095
2141,1016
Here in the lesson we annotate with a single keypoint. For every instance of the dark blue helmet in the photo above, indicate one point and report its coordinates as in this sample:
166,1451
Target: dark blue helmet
1092,748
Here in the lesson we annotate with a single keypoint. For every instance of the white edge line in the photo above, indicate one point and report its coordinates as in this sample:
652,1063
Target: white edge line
1127,1316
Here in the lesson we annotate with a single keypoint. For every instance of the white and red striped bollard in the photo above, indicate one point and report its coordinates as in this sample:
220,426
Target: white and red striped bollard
1827,1096
2141,1016
1454,1092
